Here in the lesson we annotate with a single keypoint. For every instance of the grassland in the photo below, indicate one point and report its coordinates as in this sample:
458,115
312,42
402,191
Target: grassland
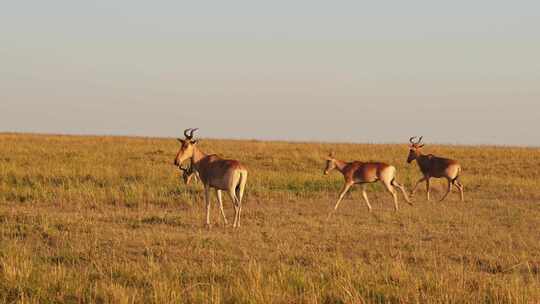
106,220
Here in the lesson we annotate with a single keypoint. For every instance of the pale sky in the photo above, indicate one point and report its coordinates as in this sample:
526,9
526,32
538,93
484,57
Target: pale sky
463,72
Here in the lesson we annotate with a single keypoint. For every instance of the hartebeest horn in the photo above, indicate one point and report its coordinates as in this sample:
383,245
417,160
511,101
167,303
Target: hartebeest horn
411,140
191,133
186,133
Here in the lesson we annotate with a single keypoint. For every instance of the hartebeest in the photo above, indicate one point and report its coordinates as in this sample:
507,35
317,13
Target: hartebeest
215,172
357,172
433,166
188,173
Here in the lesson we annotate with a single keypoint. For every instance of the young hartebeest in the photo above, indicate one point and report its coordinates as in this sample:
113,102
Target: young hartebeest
433,166
189,173
215,172
357,172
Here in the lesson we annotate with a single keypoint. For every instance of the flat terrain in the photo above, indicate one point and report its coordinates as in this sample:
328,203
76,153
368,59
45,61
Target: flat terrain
107,220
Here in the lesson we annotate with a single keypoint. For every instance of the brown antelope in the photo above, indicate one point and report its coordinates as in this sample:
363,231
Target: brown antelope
188,173
433,166
215,172
357,172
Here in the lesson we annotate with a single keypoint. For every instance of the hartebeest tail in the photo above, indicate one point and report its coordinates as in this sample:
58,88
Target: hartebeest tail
433,166
214,172
240,180
357,172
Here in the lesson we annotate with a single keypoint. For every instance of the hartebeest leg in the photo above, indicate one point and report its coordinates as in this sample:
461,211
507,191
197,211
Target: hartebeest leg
344,190
239,212
427,188
364,194
402,189
234,199
460,188
416,185
207,198
392,191
447,189
239,196
220,202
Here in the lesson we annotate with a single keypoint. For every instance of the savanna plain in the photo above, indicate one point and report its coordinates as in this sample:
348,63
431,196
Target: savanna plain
108,220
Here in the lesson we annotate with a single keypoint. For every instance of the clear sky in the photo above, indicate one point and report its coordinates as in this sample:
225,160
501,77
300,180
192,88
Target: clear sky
465,72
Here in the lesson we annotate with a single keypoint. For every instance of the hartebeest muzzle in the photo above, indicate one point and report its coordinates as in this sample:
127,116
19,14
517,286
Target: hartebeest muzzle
176,162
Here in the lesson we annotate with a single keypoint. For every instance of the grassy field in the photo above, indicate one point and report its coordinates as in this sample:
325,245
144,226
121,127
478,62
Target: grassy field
107,220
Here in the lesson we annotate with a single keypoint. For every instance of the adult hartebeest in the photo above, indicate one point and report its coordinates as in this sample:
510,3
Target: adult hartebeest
215,172
357,172
433,166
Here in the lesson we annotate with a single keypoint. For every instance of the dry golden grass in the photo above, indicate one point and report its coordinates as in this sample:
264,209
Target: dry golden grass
106,220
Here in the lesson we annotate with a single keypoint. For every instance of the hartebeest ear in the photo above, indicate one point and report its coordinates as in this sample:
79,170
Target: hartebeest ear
180,140
194,142
330,156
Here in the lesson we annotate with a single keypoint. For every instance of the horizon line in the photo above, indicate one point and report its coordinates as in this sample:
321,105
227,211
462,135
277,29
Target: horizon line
292,141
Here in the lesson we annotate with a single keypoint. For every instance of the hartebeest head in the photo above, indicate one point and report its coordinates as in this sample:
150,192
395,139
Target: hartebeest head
187,147
414,149
330,163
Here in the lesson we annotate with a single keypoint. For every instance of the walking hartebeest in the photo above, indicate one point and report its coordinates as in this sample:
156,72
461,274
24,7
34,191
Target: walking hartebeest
433,166
215,172
357,172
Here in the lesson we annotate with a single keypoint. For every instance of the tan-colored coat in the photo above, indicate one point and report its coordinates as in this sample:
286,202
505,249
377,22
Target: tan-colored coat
218,173
357,172
436,167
